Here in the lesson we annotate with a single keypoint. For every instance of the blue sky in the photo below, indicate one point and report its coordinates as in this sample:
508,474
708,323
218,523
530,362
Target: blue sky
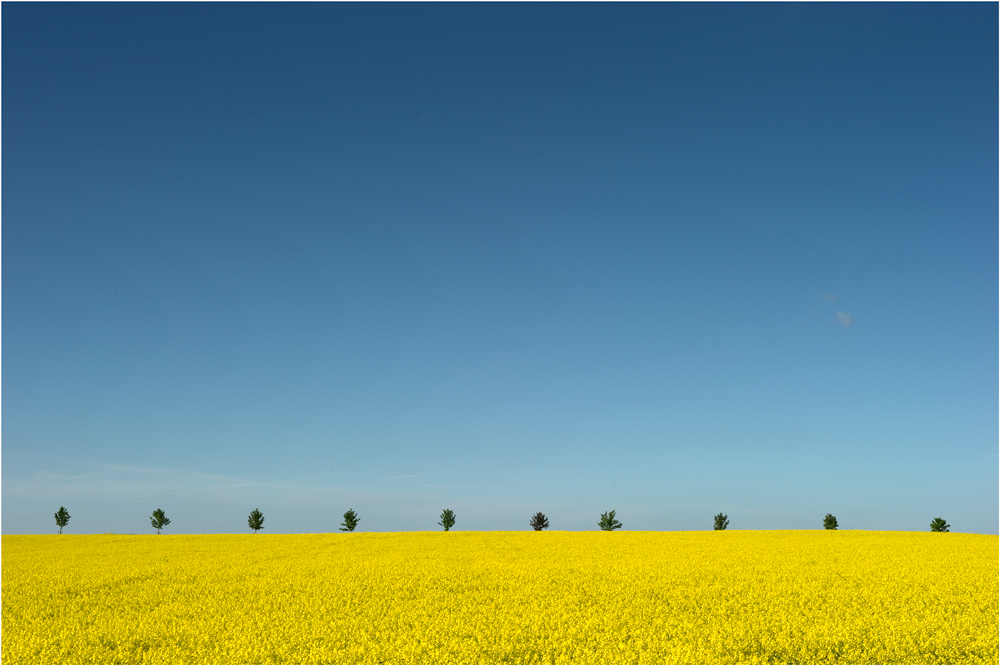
665,259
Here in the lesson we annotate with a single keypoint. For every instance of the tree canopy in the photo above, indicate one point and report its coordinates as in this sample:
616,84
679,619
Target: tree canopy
608,522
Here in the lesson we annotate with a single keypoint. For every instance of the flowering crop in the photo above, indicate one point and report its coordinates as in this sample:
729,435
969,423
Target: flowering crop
502,597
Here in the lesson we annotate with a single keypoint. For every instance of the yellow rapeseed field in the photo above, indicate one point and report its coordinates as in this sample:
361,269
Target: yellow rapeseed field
503,597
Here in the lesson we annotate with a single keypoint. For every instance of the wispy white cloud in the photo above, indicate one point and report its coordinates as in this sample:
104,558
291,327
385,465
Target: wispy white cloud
845,319
104,482
405,476
122,482
201,502
829,298
934,421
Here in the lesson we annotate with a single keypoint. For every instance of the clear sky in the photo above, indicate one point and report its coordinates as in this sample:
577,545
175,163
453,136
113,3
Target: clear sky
666,259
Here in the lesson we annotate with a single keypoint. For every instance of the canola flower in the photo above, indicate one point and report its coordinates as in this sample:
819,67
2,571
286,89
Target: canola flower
502,597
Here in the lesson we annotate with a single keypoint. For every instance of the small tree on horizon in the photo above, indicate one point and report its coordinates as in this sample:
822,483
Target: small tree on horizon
159,520
350,521
539,522
256,520
608,522
721,521
62,518
447,519
830,522
938,525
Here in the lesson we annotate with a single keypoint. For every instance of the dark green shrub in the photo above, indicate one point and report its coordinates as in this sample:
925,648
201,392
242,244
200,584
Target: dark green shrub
350,521
256,520
159,520
938,525
62,518
539,522
608,522
447,519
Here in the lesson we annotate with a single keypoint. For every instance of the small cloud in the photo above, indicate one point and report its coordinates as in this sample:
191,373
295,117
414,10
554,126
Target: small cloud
405,476
845,319
830,298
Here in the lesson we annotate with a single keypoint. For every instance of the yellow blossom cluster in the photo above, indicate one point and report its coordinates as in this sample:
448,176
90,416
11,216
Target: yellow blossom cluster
502,597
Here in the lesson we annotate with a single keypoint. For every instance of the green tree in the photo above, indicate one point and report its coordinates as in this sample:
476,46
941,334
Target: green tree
829,522
159,520
350,521
256,520
938,525
721,521
447,519
539,522
62,517
608,522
